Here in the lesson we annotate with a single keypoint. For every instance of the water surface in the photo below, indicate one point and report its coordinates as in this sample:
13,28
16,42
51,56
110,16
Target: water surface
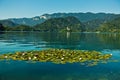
23,41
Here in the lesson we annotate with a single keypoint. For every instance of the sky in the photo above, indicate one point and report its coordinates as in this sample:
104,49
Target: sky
31,8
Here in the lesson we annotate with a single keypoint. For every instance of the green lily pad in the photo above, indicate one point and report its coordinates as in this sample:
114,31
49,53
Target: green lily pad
59,56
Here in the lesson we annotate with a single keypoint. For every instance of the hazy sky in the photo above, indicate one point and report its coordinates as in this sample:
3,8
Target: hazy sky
30,8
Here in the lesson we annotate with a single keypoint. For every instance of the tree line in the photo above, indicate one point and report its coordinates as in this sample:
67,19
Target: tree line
67,24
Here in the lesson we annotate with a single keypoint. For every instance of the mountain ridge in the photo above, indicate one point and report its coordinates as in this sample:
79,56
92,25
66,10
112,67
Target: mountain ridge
83,17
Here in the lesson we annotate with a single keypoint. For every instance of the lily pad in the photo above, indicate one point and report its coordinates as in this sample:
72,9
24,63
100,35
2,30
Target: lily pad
59,56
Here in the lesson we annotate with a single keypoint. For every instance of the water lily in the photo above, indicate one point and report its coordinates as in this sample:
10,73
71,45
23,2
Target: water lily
80,58
6,56
59,56
29,58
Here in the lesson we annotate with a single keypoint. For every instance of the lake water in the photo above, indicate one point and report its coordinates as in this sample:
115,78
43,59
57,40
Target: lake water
23,41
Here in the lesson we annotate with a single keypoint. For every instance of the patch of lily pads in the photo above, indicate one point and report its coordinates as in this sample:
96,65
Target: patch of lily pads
59,56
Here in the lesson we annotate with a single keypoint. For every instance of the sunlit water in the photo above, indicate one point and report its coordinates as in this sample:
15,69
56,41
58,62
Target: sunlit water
11,42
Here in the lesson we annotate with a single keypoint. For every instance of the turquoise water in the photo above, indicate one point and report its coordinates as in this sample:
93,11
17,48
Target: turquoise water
22,41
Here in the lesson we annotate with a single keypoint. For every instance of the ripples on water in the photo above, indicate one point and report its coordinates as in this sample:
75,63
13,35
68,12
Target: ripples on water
20,70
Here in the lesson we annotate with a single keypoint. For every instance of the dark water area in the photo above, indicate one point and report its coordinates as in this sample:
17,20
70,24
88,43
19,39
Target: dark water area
11,42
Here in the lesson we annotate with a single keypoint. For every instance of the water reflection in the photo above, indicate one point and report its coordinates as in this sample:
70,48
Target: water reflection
14,41
111,40
20,41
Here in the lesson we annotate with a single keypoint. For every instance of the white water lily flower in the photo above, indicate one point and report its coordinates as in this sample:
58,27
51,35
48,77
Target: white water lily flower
23,54
80,58
62,58
35,57
29,58
6,56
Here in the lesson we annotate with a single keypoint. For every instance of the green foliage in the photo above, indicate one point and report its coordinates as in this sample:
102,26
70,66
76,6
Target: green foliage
70,22
2,28
60,56
112,26
60,25
19,28
91,26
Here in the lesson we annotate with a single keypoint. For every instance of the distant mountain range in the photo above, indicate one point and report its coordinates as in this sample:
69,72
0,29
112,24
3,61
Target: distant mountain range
83,17
63,21
8,23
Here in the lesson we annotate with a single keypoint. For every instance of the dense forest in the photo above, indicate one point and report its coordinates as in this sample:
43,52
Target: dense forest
51,25
60,25
63,24
112,26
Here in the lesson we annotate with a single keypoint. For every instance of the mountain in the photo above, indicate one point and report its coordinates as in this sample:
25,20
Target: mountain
71,24
8,23
60,25
111,26
28,21
83,17
89,21
93,24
